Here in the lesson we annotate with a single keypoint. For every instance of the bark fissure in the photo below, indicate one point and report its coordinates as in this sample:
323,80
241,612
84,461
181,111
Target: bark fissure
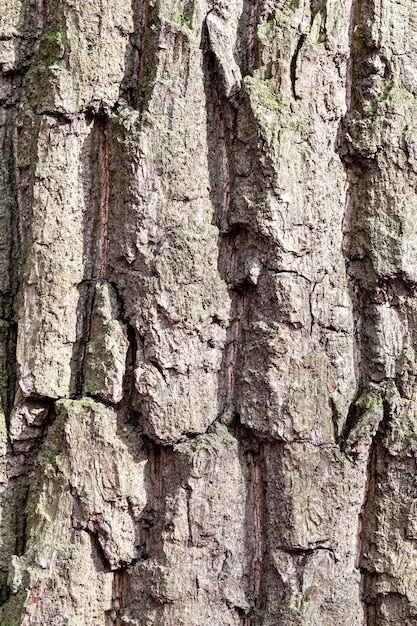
293,65
105,196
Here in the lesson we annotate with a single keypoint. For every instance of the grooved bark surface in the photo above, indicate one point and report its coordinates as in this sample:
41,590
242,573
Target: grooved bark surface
208,313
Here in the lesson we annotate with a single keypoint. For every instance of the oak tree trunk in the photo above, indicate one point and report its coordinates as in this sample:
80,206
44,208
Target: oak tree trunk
208,333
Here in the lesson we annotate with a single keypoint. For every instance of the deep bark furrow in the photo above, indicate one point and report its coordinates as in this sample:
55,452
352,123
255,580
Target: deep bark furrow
381,279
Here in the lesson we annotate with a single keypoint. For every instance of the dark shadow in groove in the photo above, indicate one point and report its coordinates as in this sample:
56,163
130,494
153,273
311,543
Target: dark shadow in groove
367,518
353,417
246,51
16,178
140,58
92,182
221,125
293,65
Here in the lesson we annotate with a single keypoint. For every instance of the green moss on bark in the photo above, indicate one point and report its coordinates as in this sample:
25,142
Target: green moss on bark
11,613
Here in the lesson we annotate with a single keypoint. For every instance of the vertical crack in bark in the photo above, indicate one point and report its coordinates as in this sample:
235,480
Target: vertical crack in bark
293,65
226,172
367,501
252,36
255,524
104,194
19,448
335,419
11,374
188,491
234,236
347,234
158,452
236,328
221,114
118,601
348,218
365,160
256,477
144,17
128,382
14,271
150,29
357,295
79,374
40,25
95,250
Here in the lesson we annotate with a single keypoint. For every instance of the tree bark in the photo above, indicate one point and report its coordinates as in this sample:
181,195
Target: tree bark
208,313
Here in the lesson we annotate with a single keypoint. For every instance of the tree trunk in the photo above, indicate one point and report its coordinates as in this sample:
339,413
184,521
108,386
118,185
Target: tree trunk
208,261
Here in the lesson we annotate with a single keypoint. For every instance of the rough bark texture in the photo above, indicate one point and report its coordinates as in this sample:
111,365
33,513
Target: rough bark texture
208,333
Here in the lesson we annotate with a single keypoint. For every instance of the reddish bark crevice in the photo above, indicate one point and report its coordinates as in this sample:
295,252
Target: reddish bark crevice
104,195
